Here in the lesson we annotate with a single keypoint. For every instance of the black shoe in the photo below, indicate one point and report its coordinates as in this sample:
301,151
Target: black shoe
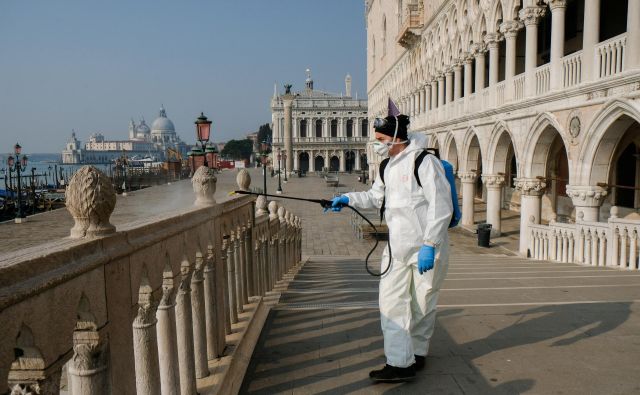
392,374
420,362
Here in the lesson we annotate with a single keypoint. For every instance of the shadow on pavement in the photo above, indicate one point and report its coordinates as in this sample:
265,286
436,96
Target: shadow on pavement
332,351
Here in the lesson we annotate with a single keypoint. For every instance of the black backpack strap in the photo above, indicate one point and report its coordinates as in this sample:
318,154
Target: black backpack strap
417,164
383,165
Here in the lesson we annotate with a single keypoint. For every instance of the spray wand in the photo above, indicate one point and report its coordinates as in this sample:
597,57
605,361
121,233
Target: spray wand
327,204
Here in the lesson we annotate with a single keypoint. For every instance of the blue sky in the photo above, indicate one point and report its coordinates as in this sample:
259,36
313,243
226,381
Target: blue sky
92,65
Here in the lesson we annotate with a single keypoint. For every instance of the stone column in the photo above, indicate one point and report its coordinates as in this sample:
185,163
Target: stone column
420,101
531,17
558,11
590,38
495,186
531,191
184,329
468,180
457,87
587,200
479,54
632,56
493,43
427,97
440,90
468,76
198,317
287,100
449,85
510,31
343,162
358,164
145,346
166,330
435,86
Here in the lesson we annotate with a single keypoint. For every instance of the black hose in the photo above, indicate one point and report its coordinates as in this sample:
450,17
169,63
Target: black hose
327,204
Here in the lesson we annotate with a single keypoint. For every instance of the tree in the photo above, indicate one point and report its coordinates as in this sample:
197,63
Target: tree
265,133
238,149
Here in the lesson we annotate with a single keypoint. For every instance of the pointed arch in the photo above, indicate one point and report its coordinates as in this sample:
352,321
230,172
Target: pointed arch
601,138
471,150
450,150
500,140
540,137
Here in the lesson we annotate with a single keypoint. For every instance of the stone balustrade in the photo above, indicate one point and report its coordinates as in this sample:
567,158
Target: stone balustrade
613,243
148,308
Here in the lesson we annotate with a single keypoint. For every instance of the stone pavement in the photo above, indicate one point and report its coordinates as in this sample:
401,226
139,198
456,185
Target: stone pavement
505,325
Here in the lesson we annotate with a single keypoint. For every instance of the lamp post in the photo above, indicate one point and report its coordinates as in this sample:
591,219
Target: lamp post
279,191
203,132
55,174
284,158
264,147
46,176
20,164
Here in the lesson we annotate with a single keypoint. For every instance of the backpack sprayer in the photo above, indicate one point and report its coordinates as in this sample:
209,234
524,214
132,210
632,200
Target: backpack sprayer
327,204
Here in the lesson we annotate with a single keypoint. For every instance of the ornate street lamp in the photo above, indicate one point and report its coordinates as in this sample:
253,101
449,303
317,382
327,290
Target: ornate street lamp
209,156
264,148
284,158
203,132
279,171
20,164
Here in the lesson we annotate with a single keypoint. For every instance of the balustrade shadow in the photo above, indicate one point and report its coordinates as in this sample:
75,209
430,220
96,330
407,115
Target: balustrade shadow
333,356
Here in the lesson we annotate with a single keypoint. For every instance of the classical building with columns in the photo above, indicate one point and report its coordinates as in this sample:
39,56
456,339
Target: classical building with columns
326,131
534,102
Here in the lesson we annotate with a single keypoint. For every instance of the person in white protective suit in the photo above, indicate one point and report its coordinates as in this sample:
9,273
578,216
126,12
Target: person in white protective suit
417,219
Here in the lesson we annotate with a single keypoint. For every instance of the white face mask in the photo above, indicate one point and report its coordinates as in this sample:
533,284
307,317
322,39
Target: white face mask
381,148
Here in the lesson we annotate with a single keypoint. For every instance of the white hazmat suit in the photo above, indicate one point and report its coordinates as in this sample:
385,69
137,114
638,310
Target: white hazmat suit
415,216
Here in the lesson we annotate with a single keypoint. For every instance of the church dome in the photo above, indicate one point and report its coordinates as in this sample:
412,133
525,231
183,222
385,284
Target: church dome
162,124
143,128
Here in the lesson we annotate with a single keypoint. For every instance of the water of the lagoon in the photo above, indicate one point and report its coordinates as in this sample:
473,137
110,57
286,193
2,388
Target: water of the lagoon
41,163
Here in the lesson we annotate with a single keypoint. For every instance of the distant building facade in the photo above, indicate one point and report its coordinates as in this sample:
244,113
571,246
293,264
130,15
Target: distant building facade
143,142
330,131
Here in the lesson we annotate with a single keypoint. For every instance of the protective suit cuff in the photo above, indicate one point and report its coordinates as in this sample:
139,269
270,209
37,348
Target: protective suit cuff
431,243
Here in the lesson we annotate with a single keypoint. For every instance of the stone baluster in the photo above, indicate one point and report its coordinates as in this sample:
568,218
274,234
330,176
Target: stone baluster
211,307
231,270
250,264
242,262
587,247
553,255
90,198
580,246
282,257
28,374
595,238
258,261
166,331
615,246
184,329
198,316
238,271
565,247
204,186
571,249
226,286
602,260
145,347
623,248
87,369
633,251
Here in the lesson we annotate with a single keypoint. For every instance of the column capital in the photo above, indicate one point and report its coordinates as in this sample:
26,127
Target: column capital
478,49
467,176
531,15
492,39
510,28
457,67
467,57
493,180
530,186
586,195
556,4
